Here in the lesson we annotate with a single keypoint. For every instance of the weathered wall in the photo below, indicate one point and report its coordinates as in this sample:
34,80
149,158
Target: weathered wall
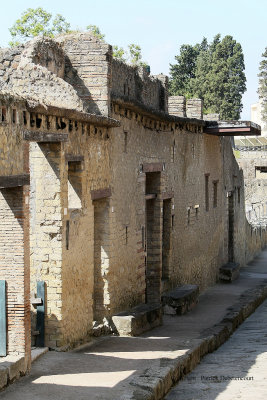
14,226
13,158
134,84
255,181
78,269
256,240
14,269
199,248
46,232
234,184
62,232
88,70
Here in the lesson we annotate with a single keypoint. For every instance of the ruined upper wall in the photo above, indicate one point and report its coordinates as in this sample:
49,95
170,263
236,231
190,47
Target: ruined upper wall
134,84
88,70
34,72
13,153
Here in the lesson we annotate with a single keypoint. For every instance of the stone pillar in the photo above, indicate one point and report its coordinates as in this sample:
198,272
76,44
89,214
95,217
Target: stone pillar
46,216
194,108
177,106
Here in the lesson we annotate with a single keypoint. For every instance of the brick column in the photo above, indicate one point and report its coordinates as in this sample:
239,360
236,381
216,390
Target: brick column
177,106
14,268
194,108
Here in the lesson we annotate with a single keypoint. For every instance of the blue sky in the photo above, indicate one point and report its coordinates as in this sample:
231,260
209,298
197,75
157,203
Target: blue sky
161,27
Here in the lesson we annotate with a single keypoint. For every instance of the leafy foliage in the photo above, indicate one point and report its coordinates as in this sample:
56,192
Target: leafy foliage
132,56
213,72
37,21
119,53
95,31
263,84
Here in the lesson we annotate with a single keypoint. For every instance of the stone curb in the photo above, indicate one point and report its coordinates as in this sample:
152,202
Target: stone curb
11,370
154,383
15,367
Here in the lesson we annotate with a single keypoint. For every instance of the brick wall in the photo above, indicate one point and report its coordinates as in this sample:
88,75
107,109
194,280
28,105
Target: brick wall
88,70
14,268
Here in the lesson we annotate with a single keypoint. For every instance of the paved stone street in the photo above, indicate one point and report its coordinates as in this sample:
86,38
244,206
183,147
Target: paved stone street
144,367
237,370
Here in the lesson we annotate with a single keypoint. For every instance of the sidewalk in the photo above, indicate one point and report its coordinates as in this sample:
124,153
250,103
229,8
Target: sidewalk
145,367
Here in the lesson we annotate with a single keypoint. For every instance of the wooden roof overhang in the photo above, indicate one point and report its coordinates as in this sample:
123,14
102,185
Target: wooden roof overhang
232,128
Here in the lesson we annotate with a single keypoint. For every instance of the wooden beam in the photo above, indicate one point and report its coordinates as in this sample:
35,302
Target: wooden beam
44,137
10,181
153,167
150,196
73,158
100,193
167,195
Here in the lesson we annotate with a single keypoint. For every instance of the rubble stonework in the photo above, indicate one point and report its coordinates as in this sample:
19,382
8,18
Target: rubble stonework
126,201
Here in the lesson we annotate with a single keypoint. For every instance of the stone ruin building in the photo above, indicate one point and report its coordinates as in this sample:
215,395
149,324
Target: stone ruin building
251,153
111,194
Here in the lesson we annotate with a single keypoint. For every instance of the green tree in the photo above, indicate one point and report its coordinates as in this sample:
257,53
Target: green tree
37,21
95,31
131,56
119,53
213,72
263,84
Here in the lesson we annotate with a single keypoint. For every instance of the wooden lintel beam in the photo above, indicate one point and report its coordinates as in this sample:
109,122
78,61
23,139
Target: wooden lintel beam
153,167
73,158
150,196
44,137
167,195
100,193
10,181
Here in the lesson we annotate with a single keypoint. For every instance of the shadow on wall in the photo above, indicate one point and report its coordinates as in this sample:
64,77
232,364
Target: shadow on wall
71,77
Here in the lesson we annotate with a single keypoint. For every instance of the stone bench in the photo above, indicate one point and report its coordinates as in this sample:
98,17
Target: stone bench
137,320
229,272
180,300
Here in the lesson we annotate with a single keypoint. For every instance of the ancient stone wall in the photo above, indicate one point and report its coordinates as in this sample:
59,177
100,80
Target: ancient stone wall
254,165
80,260
88,70
63,177
14,226
13,155
186,159
14,269
134,84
